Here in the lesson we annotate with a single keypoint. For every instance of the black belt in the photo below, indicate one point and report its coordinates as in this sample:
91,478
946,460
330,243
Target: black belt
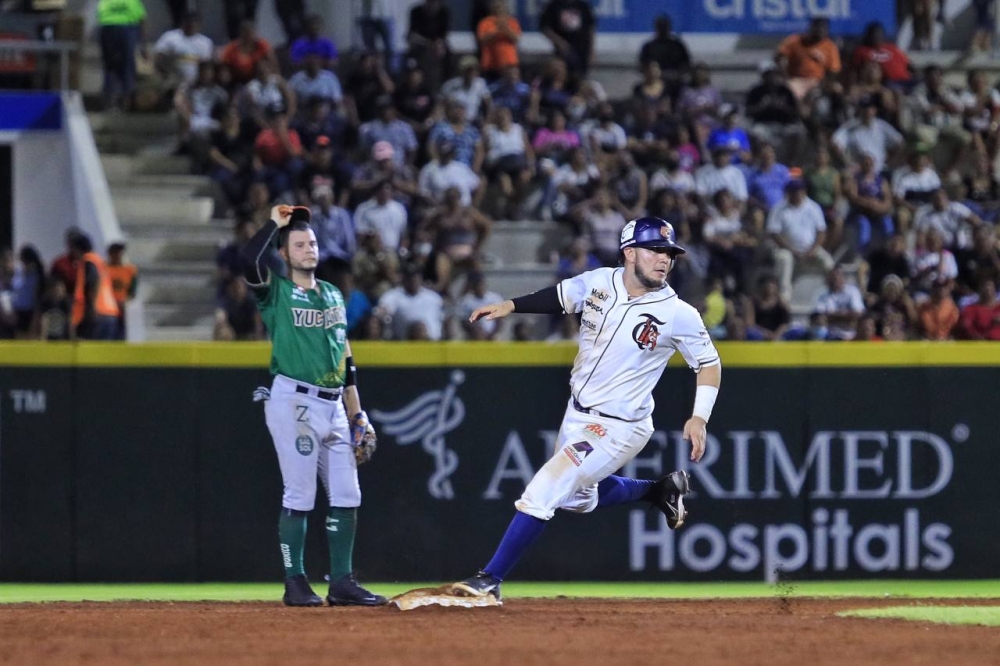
325,395
580,408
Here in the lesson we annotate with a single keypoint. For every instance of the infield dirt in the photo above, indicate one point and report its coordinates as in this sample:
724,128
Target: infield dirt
553,632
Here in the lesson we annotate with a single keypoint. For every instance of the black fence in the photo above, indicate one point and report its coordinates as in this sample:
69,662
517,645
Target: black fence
133,474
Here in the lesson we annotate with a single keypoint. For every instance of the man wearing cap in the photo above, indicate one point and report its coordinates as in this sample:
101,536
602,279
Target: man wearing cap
866,134
721,174
631,323
387,127
382,166
797,227
469,89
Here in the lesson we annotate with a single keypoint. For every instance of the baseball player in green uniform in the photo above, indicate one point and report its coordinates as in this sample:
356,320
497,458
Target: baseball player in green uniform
306,410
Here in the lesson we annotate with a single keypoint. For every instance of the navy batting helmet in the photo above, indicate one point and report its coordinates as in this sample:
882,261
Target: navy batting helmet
650,232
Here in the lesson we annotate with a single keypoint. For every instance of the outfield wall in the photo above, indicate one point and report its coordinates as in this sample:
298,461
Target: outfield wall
827,461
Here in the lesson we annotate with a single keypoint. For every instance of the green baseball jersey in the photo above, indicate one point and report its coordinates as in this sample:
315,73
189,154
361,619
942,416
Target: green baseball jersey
308,330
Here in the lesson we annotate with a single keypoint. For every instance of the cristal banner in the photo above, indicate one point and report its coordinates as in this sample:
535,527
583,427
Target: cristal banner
811,473
746,17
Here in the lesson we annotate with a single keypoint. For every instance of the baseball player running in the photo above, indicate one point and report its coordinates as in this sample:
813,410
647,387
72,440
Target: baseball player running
314,381
632,323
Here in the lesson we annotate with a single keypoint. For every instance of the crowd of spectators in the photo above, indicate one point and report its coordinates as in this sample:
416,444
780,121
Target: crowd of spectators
842,161
81,296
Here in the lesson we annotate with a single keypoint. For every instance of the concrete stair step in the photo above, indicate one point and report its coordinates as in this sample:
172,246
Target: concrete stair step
182,268
519,279
147,252
138,207
140,124
131,144
120,167
158,316
197,184
177,293
179,333
513,242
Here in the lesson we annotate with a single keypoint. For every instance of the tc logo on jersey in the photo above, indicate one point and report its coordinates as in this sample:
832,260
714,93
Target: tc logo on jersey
577,452
646,333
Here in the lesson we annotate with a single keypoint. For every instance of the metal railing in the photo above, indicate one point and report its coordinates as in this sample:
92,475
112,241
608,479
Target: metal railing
62,48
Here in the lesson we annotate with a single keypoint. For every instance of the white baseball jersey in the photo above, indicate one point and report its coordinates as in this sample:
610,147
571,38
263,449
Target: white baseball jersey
625,342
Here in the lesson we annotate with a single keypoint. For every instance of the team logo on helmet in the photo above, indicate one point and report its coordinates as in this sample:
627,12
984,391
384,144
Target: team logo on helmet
667,231
647,332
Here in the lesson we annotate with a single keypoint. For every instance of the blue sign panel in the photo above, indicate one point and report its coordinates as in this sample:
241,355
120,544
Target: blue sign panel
777,17
30,111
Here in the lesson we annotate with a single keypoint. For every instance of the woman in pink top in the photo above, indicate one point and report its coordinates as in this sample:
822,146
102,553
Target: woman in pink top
555,141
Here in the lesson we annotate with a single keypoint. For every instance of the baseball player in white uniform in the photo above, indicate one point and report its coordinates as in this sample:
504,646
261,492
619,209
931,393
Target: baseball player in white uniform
632,322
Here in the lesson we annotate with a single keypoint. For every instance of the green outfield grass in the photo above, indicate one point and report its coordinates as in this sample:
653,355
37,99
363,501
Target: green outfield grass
32,592
988,616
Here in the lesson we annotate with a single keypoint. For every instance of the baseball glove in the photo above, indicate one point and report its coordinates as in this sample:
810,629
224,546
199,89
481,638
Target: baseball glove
363,437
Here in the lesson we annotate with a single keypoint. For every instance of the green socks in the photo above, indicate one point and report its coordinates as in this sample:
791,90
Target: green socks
292,536
340,527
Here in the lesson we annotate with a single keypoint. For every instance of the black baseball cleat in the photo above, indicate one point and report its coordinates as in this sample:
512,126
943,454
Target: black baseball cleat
478,586
667,495
299,593
346,591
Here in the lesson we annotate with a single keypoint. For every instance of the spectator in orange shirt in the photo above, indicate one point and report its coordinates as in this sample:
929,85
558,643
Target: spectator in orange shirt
939,315
807,58
981,320
124,281
498,35
243,53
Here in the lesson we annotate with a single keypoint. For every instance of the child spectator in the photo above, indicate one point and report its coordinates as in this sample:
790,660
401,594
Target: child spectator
124,281
939,314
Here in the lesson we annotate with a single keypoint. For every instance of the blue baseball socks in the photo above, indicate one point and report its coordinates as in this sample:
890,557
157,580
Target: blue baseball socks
523,531
621,489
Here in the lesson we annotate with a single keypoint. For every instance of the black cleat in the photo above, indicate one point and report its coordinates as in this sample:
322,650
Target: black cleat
346,591
299,593
478,586
667,495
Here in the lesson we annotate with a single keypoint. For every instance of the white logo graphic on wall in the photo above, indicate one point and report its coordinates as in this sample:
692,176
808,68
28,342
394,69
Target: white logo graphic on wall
427,419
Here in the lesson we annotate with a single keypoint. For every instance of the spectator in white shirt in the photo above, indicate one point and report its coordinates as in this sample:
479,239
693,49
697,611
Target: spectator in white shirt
721,174
604,136
178,52
476,296
385,216
415,312
731,248
469,88
866,134
913,185
509,159
932,264
797,227
602,224
954,221
437,176
842,304
314,82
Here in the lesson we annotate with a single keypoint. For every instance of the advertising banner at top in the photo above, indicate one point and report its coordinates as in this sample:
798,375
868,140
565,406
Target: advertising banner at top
757,17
